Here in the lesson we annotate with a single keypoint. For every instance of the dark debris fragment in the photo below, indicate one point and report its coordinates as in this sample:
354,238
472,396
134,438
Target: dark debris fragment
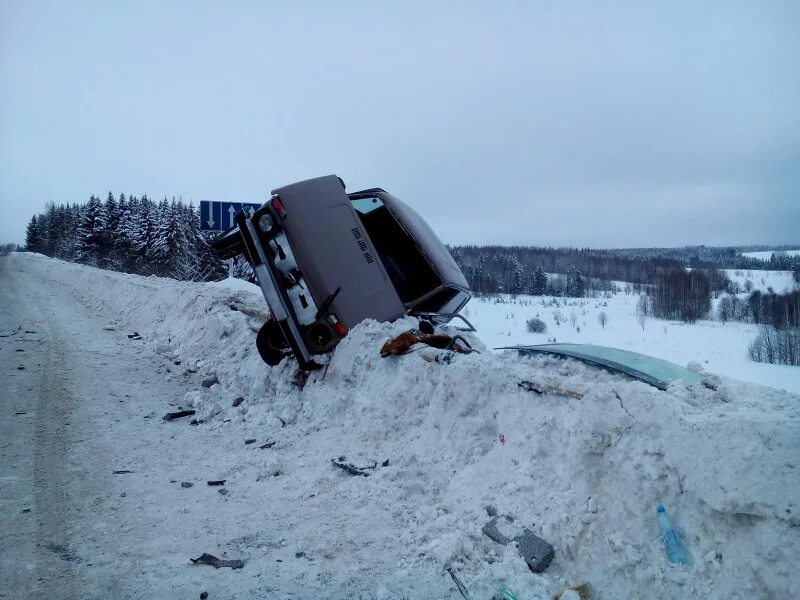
217,563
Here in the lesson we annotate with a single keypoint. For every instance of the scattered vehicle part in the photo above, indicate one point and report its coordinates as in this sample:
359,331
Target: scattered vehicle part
352,469
460,586
655,371
402,343
536,552
217,563
326,260
217,482
178,414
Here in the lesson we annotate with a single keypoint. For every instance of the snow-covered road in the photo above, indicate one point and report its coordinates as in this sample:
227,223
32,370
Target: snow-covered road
89,402
585,474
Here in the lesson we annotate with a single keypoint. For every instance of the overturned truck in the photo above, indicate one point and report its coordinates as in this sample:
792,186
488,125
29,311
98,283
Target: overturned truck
326,260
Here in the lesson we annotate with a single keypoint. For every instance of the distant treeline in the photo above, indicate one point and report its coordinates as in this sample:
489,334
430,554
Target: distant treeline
682,295
781,311
503,261
130,234
513,270
709,257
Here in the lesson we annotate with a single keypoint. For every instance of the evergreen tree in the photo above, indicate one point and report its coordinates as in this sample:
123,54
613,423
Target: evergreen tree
109,233
122,242
539,282
168,241
32,235
143,236
90,233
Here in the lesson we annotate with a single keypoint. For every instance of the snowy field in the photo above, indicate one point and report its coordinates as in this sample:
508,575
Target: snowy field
768,254
584,474
719,348
779,281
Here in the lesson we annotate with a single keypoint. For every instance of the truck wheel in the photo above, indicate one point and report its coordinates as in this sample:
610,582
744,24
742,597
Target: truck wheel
271,343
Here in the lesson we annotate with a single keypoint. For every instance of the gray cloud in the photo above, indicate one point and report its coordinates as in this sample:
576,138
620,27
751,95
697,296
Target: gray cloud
526,123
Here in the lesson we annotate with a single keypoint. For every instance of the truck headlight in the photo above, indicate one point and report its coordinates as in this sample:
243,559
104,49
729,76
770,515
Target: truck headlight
265,223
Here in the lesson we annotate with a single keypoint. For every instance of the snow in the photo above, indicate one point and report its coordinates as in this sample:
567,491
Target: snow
236,285
584,474
779,281
768,254
719,348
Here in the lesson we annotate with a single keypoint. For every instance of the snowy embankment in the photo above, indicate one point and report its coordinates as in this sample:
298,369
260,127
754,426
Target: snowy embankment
584,474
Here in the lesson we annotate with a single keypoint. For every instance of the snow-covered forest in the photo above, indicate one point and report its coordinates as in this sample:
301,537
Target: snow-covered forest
129,234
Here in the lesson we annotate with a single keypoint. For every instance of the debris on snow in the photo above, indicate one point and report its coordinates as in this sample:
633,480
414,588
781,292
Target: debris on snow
460,586
217,482
238,400
178,414
402,343
121,472
209,381
217,563
352,469
186,484
536,552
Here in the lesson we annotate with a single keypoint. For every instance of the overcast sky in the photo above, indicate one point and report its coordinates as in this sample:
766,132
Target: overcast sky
539,123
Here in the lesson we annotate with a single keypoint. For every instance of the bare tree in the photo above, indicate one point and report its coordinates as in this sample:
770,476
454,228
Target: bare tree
642,310
573,319
725,309
602,318
557,317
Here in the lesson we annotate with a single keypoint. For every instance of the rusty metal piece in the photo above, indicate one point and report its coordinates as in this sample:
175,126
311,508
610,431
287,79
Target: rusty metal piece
402,343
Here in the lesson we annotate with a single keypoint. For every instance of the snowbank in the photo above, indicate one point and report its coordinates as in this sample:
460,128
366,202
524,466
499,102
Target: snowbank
584,474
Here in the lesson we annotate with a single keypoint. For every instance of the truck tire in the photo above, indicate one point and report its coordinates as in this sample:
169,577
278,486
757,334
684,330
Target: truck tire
271,343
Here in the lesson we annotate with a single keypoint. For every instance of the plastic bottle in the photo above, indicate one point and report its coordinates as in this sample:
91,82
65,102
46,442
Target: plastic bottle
676,551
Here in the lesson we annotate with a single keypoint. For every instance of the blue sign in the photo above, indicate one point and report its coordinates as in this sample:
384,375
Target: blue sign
218,216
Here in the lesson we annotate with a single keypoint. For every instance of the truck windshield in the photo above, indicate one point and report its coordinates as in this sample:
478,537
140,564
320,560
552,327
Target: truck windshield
409,270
